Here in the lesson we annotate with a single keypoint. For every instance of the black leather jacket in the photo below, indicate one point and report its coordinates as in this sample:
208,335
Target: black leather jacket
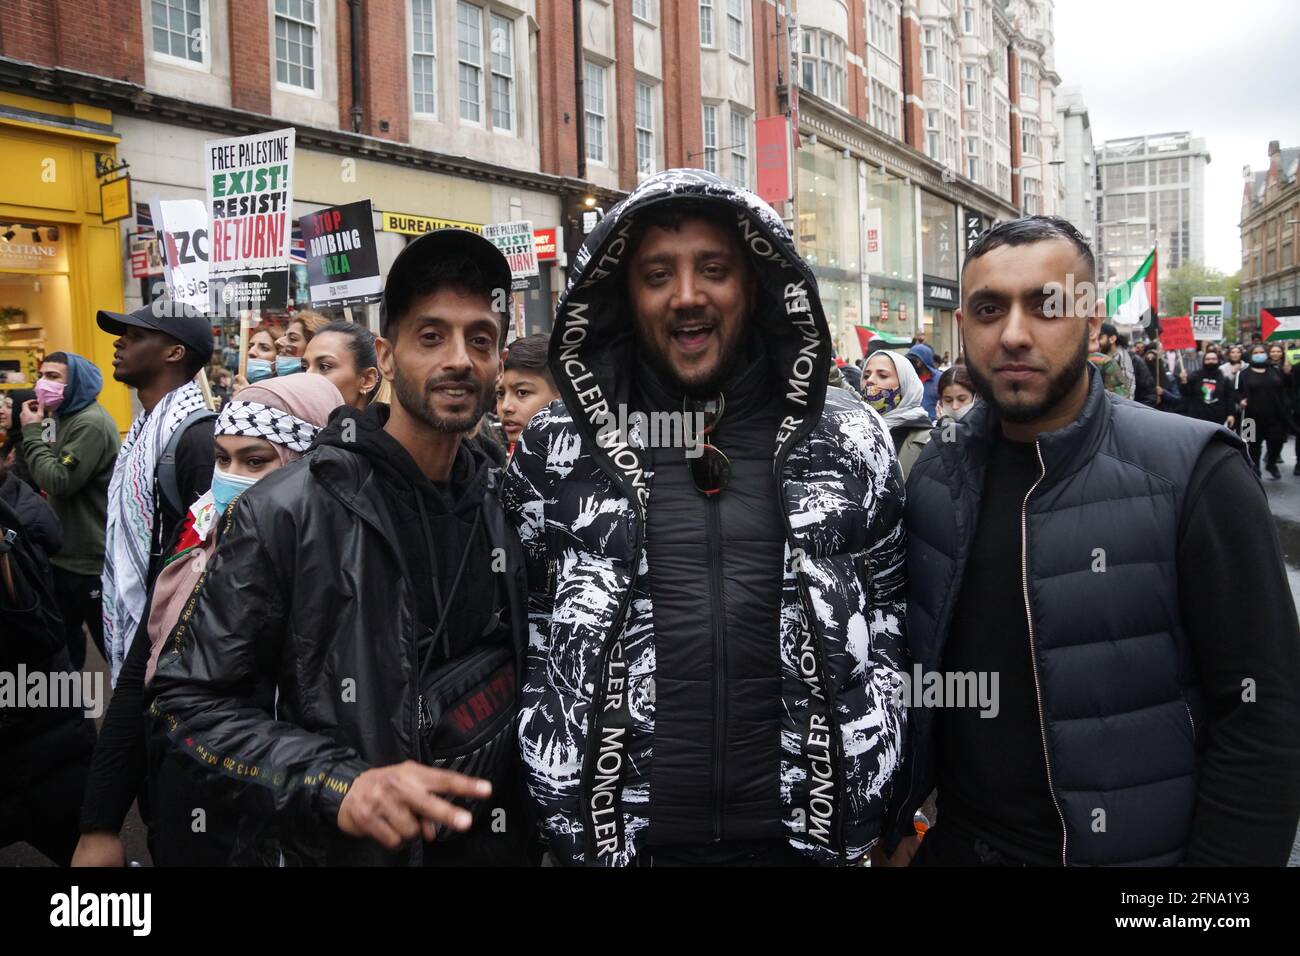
310,593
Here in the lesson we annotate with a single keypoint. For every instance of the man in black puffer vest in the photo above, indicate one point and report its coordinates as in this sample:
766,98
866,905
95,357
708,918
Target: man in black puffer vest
1087,550
716,630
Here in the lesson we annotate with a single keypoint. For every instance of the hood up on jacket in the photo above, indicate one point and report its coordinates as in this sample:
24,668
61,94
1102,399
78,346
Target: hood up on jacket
926,355
593,342
84,384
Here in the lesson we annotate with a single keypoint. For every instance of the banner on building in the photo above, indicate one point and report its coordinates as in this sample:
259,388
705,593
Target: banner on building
342,261
145,253
874,260
1207,318
547,242
410,224
250,200
974,224
181,226
1176,332
516,242
773,138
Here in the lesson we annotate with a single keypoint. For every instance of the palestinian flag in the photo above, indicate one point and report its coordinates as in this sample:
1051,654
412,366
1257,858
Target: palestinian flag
1277,324
866,334
1134,302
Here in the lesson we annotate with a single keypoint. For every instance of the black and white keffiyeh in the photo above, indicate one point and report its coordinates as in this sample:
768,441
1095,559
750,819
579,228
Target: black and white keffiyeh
255,420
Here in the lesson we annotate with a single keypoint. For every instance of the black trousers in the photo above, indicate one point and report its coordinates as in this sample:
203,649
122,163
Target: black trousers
1274,455
79,603
46,811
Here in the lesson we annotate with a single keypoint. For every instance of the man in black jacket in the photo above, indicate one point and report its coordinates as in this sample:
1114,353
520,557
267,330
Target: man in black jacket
717,638
376,586
1158,725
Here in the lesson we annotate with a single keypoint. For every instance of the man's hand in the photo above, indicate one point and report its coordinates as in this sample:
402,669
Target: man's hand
99,849
1182,376
395,804
31,413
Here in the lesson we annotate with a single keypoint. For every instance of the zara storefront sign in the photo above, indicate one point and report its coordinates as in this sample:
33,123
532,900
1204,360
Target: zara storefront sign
940,294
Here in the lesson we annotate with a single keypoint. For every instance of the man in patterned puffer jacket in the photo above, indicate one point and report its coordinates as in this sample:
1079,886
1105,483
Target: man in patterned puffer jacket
715,554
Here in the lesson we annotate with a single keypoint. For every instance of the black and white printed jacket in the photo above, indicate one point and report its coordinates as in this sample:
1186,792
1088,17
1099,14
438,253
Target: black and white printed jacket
578,493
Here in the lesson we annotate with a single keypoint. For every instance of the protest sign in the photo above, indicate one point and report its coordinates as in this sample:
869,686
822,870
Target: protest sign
342,262
250,201
182,229
516,242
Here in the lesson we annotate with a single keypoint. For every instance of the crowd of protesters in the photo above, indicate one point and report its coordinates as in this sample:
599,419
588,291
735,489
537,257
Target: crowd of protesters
400,600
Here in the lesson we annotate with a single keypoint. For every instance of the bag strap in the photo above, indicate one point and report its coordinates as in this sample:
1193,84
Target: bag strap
165,479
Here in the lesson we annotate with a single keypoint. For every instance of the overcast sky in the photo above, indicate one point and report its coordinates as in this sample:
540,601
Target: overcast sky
1228,72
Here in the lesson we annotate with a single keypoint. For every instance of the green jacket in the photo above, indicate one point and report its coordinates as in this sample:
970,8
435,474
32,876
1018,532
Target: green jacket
74,472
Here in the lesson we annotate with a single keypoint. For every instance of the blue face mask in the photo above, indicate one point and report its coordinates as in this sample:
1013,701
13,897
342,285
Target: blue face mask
1259,358
226,488
287,365
259,369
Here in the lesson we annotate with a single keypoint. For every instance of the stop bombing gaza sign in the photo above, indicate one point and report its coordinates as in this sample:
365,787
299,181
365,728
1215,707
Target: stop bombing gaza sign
1207,318
342,261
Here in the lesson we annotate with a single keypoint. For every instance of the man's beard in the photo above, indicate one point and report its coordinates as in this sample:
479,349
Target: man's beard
731,355
1058,386
415,400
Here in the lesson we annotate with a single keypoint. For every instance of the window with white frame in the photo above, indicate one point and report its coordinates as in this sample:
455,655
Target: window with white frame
502,40
972,159
178,29
884,108
736,27
882,26
740,149
822,64
1004,181
929,53
424,58
950,141
469,61
643,10
932,134
949,60
295,43
1004,120
968,20
711,138
1028,78
1029,136
706,23
971,83
1033,196
593,82
645,128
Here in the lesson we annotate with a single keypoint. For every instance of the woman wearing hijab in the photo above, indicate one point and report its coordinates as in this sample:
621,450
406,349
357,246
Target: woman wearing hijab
891,386
267,426
12,461
1262,389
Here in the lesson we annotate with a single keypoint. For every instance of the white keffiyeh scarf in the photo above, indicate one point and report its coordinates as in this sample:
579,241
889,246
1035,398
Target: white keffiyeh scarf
255,420
131,517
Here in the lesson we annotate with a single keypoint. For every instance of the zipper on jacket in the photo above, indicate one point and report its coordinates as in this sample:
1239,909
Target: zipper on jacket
1189,720
712,525
1033,648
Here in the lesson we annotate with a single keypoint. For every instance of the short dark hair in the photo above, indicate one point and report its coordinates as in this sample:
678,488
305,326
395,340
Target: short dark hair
1029,229
528,354
427,276
956,375
194,361
361,342
60,357
671,215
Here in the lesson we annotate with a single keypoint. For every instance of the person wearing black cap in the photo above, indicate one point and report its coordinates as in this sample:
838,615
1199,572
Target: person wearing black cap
164,465
378,587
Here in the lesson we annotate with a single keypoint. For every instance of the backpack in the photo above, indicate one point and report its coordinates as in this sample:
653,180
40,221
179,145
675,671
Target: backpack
165,480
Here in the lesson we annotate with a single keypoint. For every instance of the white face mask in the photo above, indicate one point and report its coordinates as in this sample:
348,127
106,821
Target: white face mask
960,413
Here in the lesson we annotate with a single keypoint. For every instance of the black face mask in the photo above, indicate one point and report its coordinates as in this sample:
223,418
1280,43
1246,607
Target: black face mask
1211,366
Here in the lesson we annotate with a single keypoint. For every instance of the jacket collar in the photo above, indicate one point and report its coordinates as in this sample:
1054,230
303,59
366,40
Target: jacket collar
1063,451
